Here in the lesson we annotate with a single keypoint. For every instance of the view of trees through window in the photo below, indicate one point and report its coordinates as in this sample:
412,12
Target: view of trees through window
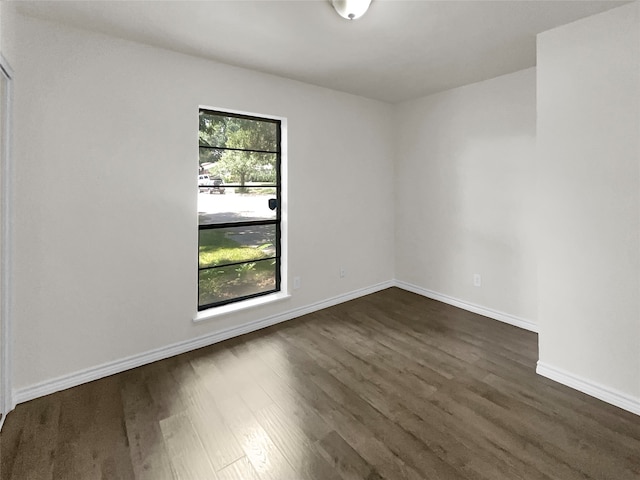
238,207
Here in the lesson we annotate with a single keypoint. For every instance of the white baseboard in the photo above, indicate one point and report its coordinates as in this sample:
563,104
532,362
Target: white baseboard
471,307
604,393
94,373
63,382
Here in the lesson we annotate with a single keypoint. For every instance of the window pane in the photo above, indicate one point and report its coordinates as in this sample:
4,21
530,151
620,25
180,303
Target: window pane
209,157
220,246
233,132
226,283
238,184
235,204
239,167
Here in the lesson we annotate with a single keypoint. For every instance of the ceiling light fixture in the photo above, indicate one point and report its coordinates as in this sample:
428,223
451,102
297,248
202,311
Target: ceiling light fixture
351,9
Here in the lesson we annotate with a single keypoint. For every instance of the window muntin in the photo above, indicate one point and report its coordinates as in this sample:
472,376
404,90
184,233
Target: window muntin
239,234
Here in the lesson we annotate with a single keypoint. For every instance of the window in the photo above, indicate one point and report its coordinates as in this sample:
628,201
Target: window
239,197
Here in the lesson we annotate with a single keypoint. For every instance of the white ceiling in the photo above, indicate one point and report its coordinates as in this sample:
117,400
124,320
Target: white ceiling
398,51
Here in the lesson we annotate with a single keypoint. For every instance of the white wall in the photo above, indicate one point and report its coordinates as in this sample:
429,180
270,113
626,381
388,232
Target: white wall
464,196
589,203
7,29
105,231
104,264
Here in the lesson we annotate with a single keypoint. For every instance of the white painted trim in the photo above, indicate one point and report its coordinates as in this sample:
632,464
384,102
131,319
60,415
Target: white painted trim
471,307
236,307
284,219
593,389
7,402
94,373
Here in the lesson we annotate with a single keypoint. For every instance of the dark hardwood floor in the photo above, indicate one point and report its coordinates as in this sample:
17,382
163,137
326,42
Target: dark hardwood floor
391,386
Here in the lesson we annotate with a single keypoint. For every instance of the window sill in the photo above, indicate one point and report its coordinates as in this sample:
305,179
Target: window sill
240,306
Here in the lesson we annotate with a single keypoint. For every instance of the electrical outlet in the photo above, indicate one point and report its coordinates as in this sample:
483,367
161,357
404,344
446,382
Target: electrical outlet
296,283
477,280
343,272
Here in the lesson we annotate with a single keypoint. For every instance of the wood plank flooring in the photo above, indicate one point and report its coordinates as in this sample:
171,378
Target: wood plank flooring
389,386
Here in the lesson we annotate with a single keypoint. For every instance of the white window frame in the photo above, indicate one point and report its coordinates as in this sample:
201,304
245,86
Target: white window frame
284,292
